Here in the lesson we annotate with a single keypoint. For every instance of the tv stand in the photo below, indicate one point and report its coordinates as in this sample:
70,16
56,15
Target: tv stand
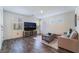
29,33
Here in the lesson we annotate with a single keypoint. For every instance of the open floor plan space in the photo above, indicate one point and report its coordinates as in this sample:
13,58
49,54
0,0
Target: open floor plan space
39,29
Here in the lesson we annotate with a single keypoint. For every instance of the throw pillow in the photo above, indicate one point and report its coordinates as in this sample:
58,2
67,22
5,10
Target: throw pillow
74,35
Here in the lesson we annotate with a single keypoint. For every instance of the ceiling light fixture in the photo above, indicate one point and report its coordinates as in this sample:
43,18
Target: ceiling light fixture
41,11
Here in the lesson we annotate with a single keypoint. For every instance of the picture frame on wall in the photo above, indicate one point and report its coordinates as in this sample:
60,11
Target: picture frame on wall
17,26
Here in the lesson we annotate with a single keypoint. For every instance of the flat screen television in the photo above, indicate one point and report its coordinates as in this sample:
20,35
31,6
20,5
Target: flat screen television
29,26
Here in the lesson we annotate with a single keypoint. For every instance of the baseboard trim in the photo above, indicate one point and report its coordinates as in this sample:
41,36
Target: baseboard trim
14,38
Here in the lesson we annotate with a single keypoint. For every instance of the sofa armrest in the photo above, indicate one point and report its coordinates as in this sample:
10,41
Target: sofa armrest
69,44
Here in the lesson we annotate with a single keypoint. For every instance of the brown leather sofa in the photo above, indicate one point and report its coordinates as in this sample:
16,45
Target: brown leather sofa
71,44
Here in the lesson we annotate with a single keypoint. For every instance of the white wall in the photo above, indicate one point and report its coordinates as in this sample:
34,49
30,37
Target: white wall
11,18
1,25
65,21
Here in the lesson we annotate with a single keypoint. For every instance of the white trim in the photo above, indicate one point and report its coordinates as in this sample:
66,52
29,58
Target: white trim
54,14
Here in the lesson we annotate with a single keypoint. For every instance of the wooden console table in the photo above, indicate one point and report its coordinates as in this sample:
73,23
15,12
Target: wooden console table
29,33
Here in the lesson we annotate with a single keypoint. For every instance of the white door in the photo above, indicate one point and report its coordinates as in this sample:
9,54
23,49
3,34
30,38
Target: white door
1,26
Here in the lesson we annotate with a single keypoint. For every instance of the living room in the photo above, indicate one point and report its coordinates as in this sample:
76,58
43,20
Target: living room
48,20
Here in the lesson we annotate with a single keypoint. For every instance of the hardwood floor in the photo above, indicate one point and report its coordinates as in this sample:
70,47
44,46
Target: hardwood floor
26,45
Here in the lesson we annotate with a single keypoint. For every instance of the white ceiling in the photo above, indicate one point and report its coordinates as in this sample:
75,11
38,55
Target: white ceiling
36,10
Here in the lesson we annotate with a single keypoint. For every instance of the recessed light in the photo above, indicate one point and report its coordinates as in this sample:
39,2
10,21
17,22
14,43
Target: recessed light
41,11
